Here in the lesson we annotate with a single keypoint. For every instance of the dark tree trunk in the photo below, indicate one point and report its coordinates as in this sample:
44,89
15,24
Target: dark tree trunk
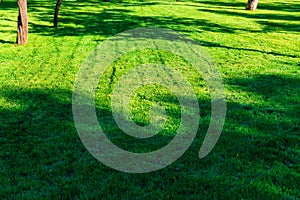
22,32
56,12
252,5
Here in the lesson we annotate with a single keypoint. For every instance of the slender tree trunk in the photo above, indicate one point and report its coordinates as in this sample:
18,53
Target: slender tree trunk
22,32
58,3
252,5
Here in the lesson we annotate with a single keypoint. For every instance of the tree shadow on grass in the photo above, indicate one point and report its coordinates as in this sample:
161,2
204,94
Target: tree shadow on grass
217,45
6,42
227,4
279,26
237,9
255,15
258,146
287,6
274,116
8,5
291,6
111,21
288,25
280,93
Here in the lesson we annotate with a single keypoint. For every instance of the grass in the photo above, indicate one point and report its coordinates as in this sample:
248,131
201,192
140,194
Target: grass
258,54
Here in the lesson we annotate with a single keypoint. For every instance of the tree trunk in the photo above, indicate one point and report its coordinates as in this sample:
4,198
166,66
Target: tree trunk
252,5
58,3
22,32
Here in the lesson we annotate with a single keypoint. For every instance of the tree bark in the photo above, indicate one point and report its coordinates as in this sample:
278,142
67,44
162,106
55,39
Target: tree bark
58,3
22,32
252,5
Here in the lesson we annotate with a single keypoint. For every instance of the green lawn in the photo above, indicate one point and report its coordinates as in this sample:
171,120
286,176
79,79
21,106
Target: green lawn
257,53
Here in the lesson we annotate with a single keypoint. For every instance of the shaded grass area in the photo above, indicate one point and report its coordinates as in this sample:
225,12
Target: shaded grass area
257,53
